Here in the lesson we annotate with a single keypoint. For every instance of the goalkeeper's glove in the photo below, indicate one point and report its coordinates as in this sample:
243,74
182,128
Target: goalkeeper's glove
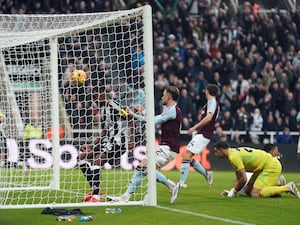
231,193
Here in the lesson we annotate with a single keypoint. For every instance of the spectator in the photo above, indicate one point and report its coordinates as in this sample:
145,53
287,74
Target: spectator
226,98
200,85
267,105
227,122
290,119
269,123
257,121
243,119
284,137
236,137
280,123
296,60
250,104
218,134
185,103
298,117
288,103
247,43
240,86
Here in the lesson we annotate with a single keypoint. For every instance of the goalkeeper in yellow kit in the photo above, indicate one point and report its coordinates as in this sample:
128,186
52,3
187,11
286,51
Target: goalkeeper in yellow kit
265,168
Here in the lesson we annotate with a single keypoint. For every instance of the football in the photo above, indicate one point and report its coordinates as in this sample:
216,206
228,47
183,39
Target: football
78,77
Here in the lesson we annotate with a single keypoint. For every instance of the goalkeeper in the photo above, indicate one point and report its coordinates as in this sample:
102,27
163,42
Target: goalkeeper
273,150
170,121
266,170
112,142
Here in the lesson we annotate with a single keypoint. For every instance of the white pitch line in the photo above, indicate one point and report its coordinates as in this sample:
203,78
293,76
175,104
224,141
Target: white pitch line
205,216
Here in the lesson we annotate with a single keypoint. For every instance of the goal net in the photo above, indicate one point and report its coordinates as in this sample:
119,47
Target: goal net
47,112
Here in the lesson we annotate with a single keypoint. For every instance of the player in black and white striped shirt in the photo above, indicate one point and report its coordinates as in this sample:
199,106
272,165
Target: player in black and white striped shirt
115,137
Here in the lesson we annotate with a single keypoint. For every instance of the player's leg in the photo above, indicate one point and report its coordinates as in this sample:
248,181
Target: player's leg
161,178
195,146
90,163
200,169
266,183
136,180
185,167
163,156
86,168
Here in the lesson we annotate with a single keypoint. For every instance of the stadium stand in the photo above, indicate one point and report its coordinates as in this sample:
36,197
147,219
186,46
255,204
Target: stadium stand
251,52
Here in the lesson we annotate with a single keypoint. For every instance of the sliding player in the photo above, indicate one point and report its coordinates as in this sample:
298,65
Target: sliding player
112,142
170,121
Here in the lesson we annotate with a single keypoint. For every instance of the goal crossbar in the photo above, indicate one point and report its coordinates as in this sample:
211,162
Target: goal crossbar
23,29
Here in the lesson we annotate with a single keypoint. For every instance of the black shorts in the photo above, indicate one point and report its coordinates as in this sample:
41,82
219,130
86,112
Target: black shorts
113,151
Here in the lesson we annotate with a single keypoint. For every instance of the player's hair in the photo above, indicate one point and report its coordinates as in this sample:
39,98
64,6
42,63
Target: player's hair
213,89
174,91
221,145
268,147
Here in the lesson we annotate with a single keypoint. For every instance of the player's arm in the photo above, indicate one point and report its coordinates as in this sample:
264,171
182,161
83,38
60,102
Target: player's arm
241,180
169,114
97,140
134,115
201,123
211,109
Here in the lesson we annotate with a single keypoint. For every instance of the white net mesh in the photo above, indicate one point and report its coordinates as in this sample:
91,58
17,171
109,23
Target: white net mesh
109,48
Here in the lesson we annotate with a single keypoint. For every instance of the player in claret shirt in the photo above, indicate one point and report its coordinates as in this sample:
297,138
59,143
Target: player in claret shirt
204,128
170,120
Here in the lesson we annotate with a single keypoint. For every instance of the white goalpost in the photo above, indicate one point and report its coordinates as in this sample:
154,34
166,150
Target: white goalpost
46,114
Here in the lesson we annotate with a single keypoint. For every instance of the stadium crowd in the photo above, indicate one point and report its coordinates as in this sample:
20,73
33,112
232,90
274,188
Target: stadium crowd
252,55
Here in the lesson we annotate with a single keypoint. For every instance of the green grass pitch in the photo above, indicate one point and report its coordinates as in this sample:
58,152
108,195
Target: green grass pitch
196,204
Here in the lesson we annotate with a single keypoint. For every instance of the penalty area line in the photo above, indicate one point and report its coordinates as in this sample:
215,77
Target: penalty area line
205,216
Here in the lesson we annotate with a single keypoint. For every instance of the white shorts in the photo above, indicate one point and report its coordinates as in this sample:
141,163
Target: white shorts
164,155
197,144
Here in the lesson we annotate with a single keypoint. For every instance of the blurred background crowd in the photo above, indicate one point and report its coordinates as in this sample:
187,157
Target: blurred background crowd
250,52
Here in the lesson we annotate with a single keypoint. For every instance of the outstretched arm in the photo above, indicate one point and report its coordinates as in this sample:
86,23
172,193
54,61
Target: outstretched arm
167,114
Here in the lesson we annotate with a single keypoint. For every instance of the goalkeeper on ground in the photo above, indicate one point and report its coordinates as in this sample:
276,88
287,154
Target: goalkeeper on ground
170,120
266,170
273,150
113,141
